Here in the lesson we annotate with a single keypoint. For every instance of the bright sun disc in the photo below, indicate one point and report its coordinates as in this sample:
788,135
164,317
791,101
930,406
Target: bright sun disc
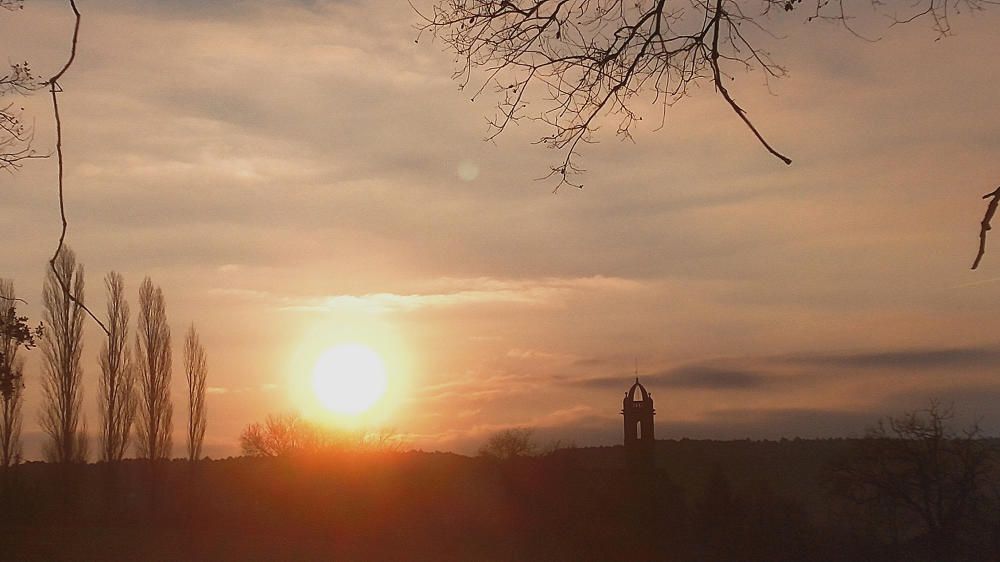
349,379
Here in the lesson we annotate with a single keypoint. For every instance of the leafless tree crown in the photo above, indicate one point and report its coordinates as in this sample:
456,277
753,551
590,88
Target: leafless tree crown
116,392
153,358
288,434
196,370
919,464
62,376
510,443
586,59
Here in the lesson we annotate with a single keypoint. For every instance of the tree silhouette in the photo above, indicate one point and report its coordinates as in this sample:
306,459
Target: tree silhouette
116,390
918,464
153,358
510,443
279,435
14,334
62,378
196,371
285,434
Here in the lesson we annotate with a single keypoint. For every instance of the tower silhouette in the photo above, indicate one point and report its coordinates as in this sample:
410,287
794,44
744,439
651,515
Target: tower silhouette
637,408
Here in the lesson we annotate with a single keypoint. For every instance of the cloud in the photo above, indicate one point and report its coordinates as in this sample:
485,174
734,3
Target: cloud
686,377
238,146
930,357
453,292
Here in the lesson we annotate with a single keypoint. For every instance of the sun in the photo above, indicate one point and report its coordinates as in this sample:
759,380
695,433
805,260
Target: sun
349,379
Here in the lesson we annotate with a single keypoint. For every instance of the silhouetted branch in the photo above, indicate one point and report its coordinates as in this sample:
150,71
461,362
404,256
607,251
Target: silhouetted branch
590,59
55,89
15,138
984,226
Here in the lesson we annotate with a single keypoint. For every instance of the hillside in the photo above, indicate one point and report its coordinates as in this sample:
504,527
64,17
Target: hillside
707,500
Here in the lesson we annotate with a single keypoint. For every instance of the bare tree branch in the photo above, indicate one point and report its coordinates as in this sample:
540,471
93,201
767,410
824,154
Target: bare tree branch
55,89
984,226
587,60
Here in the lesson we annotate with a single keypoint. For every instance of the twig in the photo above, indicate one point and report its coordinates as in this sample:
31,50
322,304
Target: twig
717,74
984,226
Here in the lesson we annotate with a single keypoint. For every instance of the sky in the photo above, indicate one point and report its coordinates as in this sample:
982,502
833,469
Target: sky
297,175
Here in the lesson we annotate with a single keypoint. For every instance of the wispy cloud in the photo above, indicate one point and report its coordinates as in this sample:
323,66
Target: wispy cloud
686,377
446,292
929,357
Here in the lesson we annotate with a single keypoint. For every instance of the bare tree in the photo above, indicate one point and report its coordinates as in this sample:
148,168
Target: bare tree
588,59
510,443
116,391
153,358
279,435
286,434
14,334
62,376
196,370
916,466
380,440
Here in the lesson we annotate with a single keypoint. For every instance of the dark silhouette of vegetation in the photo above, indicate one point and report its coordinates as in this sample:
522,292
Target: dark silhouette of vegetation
706,501
921,478
15,136
281,435
196,372
116,391
510,443
62,376
15,333
153,358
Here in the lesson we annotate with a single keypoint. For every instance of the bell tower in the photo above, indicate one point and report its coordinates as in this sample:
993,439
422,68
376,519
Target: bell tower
637,408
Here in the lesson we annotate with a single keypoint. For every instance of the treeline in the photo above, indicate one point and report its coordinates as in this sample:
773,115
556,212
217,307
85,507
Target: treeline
133,396
704,501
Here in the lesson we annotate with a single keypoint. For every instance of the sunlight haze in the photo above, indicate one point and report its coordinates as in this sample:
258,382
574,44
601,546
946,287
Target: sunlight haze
296,181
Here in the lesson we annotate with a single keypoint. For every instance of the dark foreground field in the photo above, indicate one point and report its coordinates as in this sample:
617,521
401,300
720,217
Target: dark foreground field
736,500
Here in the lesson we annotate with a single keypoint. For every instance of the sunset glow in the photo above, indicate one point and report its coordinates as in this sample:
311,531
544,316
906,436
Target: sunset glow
349,379
328,206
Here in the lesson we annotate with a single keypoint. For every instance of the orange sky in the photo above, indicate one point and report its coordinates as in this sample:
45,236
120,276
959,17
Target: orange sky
304,174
